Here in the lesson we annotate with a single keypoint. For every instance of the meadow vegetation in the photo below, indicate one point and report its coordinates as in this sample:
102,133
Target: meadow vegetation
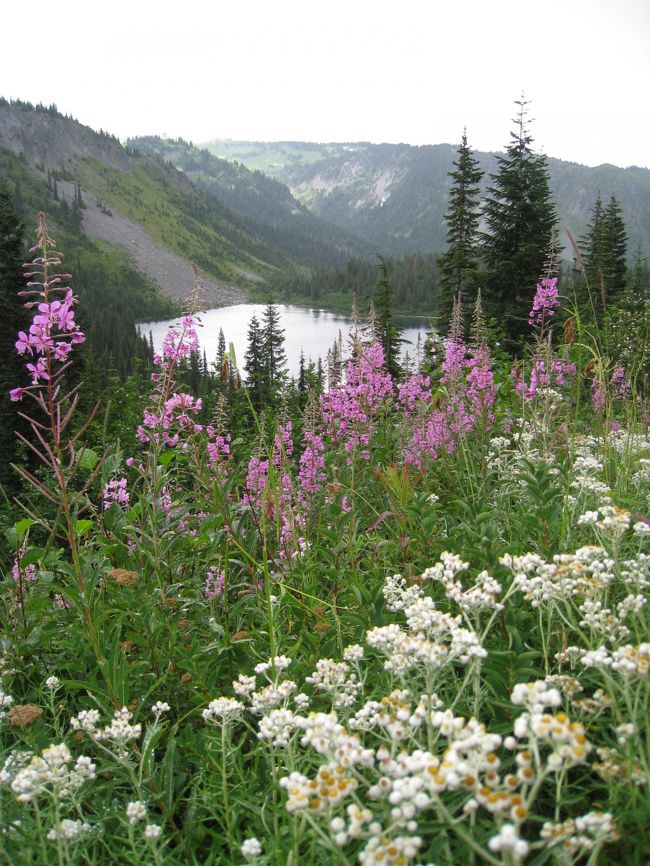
405,625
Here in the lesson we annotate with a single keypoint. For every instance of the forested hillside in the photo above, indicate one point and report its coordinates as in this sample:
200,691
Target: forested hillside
266,205
394,196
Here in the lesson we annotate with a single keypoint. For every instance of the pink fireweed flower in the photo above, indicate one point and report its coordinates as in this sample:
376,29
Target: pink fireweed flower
53,331
311,476
348,410
599,394
619,385
542,375
19,574
545,303
170,422
214,583
115,491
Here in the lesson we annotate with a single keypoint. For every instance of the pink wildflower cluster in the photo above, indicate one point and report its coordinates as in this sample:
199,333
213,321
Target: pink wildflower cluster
543,374
170,421
20,574
435,426
618,384
215,579
312,465
279,503
219,453
178,344
256,478
599,393
115,491
545,303
348,409
53,331
414,393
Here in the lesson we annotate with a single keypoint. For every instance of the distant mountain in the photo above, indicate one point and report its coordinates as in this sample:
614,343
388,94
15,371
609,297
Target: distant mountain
144,208
264,204
394,196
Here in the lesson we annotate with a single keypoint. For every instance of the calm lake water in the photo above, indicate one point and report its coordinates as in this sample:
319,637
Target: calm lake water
312,331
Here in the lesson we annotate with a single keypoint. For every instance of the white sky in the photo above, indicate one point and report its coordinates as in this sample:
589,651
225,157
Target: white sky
413,71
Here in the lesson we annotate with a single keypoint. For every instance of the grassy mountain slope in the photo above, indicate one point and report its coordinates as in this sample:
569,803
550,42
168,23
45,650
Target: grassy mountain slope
123,193
395,196
266,205
104,277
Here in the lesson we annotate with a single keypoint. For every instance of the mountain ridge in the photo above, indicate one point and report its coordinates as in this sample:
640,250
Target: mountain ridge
396,194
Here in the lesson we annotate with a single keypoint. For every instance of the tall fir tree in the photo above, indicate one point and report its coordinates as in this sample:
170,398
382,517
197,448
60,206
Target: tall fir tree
14,318
274,358
387,333
604,251
459,263
521,223
254,365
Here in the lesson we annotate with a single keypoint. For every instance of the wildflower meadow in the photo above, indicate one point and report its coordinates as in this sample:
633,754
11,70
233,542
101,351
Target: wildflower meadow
407,626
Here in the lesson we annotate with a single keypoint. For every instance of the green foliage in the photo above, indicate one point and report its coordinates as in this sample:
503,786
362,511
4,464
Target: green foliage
521,222
459,263
387,333
414,279
604,250
267,207
337,181
14,319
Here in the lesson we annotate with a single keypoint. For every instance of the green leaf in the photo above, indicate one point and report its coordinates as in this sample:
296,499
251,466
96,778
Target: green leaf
23,525
81,527
88,459
34,554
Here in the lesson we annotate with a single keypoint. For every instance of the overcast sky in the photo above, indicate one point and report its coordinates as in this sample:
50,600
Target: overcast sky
413,71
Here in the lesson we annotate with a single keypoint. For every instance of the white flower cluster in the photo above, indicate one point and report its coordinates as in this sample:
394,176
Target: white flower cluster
69,830
508,841
536,697
223,709
336,679
610,519
136,811
395,714
635,573
628,659
567,739
355,826
277,726
118,733
382,849
270,696
51,773
398,593
604,622
483,595
5,702
580,835
251,848
278,663
586,572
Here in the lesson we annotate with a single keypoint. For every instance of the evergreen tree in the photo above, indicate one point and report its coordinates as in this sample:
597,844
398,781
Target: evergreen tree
274,358
14,318
387,333
221,348
521,221
604,249
253,364
639,279
616,261
459,264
